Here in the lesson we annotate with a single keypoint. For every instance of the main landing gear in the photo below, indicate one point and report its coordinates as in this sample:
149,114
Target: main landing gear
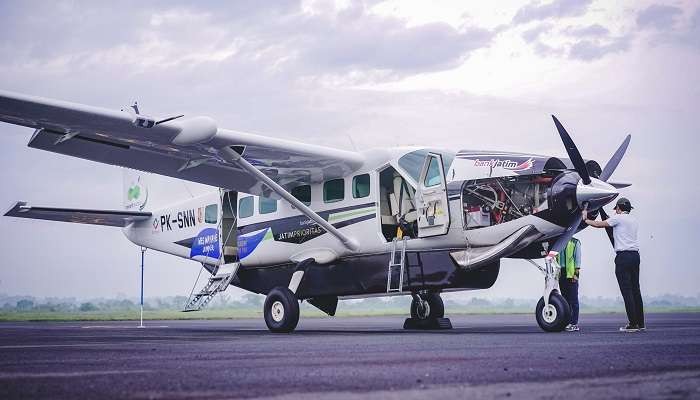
552,312
427,312
281,310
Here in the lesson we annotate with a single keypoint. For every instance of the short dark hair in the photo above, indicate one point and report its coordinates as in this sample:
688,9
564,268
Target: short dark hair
624,207
624,204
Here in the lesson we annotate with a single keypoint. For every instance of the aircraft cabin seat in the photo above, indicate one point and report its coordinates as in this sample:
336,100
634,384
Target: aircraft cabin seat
407,204
387,216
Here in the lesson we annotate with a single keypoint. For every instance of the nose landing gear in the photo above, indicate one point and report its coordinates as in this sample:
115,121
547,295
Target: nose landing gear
552,312
554,316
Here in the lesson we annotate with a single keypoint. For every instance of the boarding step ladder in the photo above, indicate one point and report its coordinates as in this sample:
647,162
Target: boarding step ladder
217,283
397,245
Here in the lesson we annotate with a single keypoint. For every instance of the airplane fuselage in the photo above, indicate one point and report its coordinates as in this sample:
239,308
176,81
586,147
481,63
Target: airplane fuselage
270,237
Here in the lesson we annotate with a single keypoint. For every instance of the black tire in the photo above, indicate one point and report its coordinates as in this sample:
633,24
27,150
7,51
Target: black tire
436,308
281,310
558,315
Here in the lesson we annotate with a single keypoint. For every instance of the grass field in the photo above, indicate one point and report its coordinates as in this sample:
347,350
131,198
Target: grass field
306,312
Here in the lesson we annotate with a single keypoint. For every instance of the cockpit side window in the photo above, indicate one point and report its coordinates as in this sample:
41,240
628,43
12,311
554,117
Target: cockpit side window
433,177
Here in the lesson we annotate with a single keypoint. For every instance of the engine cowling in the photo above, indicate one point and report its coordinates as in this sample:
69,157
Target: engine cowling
569,195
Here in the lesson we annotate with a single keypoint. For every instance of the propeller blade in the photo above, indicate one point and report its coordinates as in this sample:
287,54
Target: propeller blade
609,231
615,159
573,152
619,185
565,237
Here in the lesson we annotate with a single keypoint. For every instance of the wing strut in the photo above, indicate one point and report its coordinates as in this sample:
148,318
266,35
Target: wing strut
233,156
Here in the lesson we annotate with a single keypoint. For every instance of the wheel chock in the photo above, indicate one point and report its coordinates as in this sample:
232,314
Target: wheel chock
427,324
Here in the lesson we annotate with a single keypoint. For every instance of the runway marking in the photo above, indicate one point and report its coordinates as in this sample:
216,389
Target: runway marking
122,326
39,346
19,375
149,341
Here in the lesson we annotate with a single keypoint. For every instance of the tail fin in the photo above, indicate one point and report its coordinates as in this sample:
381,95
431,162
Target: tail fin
135,190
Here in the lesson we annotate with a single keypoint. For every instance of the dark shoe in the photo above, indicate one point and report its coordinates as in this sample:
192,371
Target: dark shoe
629,328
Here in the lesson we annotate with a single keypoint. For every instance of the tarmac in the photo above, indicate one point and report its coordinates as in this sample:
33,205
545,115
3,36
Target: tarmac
484,356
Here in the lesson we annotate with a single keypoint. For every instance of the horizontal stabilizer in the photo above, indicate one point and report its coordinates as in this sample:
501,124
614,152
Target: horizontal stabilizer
80,216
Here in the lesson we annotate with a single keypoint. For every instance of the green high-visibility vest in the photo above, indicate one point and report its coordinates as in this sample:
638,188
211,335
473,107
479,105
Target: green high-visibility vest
569,258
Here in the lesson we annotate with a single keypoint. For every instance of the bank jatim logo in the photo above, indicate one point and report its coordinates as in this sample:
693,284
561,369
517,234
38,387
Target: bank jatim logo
505,164
525,165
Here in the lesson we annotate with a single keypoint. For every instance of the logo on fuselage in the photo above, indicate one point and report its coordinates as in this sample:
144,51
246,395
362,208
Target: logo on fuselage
136,195
206,244
300,235
505,164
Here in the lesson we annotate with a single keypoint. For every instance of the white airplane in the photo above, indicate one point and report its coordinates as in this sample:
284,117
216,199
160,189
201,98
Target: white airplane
301,222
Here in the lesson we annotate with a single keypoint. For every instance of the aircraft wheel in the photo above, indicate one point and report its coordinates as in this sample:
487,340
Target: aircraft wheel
555,316
432,307
281,310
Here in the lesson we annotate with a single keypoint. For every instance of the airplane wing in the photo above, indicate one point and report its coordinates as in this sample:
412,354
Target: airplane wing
185,148
92,217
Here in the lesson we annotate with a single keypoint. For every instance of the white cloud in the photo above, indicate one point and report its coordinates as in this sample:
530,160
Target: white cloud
540,10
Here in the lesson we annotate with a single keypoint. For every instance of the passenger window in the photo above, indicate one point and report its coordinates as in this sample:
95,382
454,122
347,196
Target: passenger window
211,214
267,205
433,177
360,186
303,194
333,190
246,207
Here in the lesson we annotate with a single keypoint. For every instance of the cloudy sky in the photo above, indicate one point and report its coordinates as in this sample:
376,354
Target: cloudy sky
352,74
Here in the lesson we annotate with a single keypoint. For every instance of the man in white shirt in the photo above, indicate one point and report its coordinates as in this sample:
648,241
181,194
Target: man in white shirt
624,227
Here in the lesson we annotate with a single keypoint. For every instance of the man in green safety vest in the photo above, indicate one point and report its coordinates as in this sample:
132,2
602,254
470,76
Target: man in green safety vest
570,262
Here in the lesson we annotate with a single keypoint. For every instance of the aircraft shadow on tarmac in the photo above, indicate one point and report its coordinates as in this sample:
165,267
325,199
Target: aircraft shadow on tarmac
509,330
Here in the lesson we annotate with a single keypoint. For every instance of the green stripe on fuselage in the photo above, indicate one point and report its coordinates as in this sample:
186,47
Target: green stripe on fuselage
268,235
350,214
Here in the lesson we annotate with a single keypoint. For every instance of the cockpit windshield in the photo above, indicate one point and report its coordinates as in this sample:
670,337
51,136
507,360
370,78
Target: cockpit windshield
413,162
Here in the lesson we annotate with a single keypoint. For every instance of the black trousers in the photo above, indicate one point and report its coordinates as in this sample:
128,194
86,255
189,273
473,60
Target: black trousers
627,273
569,289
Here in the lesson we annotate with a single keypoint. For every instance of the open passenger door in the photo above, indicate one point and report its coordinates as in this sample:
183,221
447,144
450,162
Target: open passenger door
431,198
